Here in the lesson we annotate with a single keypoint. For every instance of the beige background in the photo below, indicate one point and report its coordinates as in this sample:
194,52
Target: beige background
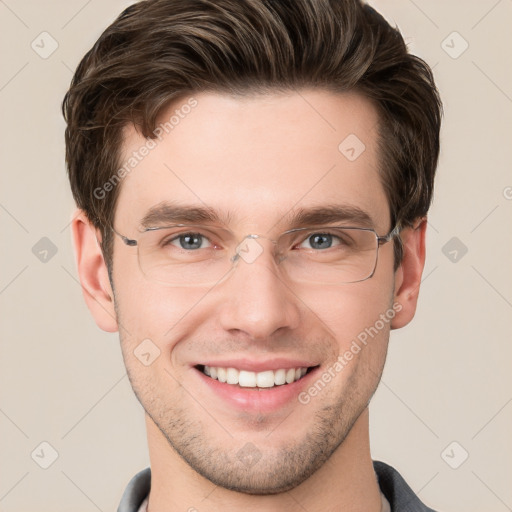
448,374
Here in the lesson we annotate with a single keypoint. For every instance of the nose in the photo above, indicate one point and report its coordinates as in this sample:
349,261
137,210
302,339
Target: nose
256,299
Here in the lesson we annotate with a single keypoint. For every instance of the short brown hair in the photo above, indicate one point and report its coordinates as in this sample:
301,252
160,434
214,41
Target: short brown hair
159,50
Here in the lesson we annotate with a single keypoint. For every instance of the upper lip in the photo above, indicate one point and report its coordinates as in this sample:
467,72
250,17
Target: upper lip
253,365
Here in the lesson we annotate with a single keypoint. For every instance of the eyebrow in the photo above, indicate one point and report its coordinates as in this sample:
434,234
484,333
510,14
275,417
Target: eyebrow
330,214
171,213
166,213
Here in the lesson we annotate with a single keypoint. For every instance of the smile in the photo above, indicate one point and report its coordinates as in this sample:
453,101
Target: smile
249,379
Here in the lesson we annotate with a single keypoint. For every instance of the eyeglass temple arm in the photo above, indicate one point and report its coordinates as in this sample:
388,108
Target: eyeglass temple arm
386,238
128,241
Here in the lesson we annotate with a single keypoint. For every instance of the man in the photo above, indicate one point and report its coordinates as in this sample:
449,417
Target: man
252,180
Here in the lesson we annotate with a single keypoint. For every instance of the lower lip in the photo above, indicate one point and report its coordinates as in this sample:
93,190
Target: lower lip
252,399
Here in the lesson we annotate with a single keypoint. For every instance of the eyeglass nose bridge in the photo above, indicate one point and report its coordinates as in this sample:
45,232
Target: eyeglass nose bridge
249,249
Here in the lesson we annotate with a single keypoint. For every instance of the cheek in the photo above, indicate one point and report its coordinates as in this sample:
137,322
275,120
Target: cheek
152,321
358,317
151,315
348,310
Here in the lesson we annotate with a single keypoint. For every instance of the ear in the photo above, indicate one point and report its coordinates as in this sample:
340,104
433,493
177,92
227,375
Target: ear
408,274
92,271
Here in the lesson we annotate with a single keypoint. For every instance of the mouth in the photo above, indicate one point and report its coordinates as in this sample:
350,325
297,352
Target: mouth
253,385
260,380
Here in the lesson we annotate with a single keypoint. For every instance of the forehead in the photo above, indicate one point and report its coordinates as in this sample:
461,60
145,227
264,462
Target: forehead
256,159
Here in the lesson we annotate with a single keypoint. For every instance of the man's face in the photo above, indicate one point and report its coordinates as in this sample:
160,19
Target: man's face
255,161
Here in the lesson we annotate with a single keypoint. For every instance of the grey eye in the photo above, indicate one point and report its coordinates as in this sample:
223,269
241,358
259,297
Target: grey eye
320,241
190,241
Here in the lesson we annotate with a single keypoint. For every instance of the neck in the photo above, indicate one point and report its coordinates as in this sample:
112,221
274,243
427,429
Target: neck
345,482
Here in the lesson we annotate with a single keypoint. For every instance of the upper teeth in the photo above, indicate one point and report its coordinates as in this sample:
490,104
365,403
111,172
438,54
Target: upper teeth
265,379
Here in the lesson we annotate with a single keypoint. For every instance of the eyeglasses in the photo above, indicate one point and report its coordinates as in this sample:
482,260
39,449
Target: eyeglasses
195,255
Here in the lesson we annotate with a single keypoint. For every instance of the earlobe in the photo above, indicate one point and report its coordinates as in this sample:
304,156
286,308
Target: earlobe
408,274
93,273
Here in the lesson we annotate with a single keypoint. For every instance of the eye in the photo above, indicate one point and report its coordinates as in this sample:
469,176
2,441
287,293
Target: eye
319,241
190,241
